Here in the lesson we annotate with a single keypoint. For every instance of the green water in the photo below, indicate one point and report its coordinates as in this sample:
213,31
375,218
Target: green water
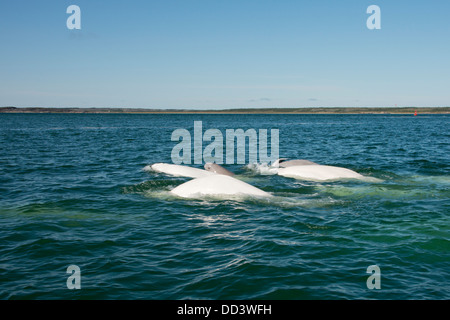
73,192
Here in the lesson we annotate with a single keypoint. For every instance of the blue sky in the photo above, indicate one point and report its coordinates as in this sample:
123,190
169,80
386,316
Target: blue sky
214,54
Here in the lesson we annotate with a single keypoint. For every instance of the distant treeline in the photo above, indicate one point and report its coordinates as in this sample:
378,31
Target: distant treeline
315,110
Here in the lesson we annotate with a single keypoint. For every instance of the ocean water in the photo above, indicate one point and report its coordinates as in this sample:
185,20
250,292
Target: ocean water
73,191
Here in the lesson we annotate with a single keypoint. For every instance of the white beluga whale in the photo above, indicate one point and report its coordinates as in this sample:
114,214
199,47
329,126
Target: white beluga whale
217,185
215,181
308,170
318,172
179,170
284,163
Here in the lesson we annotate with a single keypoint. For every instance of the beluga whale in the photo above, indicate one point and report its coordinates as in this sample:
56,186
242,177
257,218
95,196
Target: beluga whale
179,170
214,167
308,170
215,181
217,185
284,163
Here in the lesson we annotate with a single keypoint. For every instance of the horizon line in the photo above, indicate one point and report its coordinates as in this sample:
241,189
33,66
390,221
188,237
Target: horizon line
279,110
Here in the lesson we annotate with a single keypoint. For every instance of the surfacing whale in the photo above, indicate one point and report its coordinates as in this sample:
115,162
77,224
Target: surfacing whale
308,170
318,172
217,185
217,182
179,170
214,167
284,163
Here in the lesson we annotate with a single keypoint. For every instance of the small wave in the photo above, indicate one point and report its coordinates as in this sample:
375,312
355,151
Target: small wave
150,186
431,179
98,128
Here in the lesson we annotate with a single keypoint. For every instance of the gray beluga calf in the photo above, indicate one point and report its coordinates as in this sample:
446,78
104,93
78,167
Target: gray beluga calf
214,167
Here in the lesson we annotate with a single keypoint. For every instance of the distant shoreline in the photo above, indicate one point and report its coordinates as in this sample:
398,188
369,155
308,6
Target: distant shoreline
318,110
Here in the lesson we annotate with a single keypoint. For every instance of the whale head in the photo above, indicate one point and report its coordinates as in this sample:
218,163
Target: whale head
276,163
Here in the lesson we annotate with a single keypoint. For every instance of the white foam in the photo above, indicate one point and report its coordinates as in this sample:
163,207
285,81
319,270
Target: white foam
262,168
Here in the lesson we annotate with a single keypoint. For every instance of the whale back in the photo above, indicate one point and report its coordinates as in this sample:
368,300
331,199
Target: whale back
217,185
318,172
291,163
284,163
214,167
179,170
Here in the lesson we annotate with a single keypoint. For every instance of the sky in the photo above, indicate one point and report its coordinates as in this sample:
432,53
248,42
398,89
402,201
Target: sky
221,54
